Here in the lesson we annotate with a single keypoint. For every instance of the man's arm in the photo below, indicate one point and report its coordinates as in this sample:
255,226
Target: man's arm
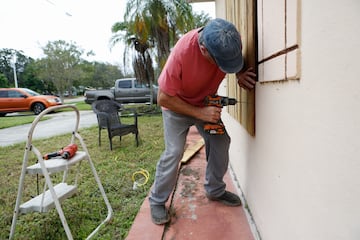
176,104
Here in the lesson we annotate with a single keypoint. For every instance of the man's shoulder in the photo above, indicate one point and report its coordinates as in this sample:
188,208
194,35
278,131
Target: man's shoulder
191,35
187,44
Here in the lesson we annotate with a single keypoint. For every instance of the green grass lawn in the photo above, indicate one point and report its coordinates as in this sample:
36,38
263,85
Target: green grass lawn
11,121
86,209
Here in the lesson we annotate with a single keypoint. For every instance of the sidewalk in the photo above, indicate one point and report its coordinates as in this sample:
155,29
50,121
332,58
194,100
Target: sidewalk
193,215
59,123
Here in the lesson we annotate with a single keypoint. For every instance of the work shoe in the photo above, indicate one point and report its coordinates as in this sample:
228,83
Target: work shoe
159,214
228,198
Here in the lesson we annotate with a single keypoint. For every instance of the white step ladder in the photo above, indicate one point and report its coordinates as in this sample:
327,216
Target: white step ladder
52,196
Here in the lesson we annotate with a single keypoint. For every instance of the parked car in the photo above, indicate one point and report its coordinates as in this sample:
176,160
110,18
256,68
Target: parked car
126,90
23,99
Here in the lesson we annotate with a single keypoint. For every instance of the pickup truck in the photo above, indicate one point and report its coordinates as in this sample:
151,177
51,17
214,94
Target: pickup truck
126,90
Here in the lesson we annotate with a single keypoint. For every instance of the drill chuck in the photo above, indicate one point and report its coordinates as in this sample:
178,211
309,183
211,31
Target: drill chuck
228,101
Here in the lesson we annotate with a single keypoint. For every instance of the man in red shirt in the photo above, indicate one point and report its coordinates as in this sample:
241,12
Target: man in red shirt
195,68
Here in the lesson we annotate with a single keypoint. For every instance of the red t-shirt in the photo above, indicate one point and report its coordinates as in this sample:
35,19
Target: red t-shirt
188,74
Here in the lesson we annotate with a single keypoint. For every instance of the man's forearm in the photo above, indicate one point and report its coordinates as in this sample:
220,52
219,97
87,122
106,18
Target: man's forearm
176,104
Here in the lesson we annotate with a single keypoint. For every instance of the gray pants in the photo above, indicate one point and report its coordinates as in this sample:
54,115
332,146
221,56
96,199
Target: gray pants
176,127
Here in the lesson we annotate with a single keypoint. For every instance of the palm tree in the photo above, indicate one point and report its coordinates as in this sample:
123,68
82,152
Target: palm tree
151,28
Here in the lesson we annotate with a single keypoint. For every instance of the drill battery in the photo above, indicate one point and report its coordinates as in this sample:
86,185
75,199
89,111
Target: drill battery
214,128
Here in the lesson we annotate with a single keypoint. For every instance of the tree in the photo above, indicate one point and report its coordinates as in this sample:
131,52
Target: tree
98,75
40,75
3,81
7,62
105,74
153,24
61,64
32,81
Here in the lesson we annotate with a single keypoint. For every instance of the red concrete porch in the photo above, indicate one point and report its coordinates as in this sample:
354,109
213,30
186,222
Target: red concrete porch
193,216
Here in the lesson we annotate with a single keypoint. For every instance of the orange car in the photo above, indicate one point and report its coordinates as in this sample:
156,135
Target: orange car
23,99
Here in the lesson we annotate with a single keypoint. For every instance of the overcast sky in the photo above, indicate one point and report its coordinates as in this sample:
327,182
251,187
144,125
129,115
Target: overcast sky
28,25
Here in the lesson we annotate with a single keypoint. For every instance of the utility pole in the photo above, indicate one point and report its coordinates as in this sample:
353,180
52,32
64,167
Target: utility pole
14,68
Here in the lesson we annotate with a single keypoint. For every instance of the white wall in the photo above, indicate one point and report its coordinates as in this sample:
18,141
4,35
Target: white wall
301,172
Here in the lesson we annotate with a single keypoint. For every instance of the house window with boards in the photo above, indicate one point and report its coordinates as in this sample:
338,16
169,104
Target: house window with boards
270,33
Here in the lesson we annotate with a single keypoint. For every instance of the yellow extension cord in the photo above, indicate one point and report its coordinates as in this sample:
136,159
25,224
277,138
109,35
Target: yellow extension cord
140,178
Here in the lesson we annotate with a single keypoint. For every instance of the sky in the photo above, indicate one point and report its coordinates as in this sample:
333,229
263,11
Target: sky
28,25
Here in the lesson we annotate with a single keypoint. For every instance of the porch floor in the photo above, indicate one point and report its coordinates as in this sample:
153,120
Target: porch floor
193,216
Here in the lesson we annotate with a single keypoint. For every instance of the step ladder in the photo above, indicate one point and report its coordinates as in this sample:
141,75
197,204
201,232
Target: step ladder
53,195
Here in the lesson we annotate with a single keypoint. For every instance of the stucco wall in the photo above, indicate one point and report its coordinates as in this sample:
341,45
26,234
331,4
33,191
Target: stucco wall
301,172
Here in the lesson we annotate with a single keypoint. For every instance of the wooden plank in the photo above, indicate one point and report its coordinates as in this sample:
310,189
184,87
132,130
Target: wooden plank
191,149
243,13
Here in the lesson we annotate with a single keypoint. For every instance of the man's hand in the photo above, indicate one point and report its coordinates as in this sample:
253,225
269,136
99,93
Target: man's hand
210,114
246,79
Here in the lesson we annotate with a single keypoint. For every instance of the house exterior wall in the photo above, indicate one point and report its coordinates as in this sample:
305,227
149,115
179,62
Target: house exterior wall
300,172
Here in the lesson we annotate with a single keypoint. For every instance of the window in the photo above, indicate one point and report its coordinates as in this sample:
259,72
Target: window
278,40
3,94
138,84
125,84
15,94
270,31
31,92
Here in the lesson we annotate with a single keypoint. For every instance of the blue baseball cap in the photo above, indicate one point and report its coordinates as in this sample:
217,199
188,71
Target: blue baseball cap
223,42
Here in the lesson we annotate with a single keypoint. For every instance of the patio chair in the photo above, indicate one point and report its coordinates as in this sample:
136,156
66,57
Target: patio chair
108,113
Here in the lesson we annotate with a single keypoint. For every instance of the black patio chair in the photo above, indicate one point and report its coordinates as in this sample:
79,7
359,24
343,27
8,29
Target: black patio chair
108,113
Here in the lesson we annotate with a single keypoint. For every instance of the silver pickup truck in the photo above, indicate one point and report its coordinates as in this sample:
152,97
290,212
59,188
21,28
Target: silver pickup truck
126,90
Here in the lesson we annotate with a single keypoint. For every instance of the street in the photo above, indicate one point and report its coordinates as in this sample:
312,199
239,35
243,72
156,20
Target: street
60,123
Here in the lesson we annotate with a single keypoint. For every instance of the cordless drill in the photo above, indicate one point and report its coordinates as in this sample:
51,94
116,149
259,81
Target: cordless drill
217,101
66,152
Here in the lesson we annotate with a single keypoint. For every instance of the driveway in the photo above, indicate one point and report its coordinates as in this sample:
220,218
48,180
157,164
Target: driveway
60,123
